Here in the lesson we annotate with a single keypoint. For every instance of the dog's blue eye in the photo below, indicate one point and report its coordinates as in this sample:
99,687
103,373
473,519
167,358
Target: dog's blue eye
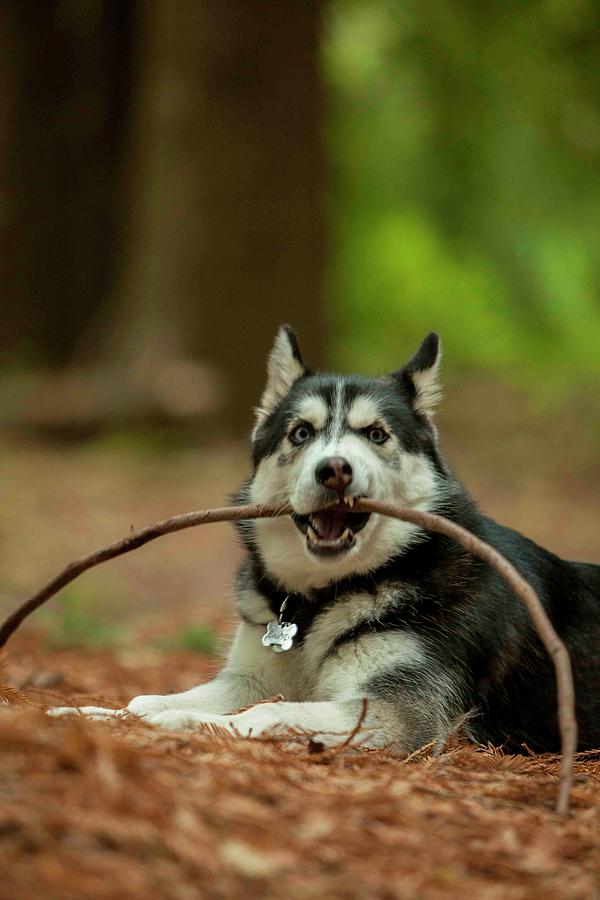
301,434
377,435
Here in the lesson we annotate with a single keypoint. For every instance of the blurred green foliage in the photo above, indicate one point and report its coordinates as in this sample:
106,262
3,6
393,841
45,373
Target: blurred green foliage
195,639
74,624
198,639
465,141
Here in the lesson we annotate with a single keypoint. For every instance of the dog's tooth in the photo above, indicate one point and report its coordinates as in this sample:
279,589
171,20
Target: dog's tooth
345,535
310,532
350,501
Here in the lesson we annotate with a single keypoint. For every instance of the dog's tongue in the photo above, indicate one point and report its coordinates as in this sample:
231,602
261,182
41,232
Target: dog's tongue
329,525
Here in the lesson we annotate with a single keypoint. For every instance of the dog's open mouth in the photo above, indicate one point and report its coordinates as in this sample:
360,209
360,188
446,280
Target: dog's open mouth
331,531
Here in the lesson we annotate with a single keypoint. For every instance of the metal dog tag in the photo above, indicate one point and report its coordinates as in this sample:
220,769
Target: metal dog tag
279,636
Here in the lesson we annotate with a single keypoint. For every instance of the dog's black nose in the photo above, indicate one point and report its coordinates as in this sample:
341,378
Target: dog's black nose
335,473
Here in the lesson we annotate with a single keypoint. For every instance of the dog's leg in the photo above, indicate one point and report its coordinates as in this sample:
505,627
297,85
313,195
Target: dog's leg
410,700
329,722
395,724
405,699
252,673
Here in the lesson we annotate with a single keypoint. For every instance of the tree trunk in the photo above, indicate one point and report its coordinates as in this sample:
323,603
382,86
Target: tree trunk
70,67
226,236
264,190
216,207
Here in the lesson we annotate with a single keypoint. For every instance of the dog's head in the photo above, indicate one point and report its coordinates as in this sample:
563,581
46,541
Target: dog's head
322,438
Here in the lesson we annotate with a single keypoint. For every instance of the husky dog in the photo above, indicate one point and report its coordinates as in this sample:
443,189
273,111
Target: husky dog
354,617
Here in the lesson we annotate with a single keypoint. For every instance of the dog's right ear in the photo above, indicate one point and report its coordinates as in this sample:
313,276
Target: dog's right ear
285,366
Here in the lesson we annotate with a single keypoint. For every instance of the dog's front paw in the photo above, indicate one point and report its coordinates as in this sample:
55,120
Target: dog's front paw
147,705
90,712
187,720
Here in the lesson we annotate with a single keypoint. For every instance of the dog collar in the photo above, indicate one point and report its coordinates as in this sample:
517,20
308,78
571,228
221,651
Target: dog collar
280,634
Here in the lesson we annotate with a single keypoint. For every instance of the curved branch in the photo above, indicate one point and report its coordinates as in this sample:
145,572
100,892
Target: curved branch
430,521
524,591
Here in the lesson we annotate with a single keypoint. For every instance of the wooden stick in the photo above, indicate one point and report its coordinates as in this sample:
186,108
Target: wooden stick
430,521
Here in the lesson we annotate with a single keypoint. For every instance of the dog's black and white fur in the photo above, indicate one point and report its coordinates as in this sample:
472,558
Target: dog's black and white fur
429,635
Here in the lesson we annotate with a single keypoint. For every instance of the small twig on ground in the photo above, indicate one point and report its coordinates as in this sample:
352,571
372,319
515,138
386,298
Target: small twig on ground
357,727
431,522
420,751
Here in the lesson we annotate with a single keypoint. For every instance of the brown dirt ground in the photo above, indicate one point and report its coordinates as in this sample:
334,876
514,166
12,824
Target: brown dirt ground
119,810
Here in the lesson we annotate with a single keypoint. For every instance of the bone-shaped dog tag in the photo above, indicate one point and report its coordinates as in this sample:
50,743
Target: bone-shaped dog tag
279,636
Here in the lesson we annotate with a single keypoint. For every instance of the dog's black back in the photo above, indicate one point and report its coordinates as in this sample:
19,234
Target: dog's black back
521,708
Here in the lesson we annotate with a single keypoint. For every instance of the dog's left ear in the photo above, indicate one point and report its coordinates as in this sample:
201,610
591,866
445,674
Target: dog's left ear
285,366
420,376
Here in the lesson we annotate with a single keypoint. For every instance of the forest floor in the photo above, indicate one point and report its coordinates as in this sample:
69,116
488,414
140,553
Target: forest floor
118,809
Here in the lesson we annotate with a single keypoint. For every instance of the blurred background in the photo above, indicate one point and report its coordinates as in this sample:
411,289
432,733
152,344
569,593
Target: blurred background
178,177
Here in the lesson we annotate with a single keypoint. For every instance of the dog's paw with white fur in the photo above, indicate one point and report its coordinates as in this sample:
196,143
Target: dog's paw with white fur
188,720
143,707
90,712
147,705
